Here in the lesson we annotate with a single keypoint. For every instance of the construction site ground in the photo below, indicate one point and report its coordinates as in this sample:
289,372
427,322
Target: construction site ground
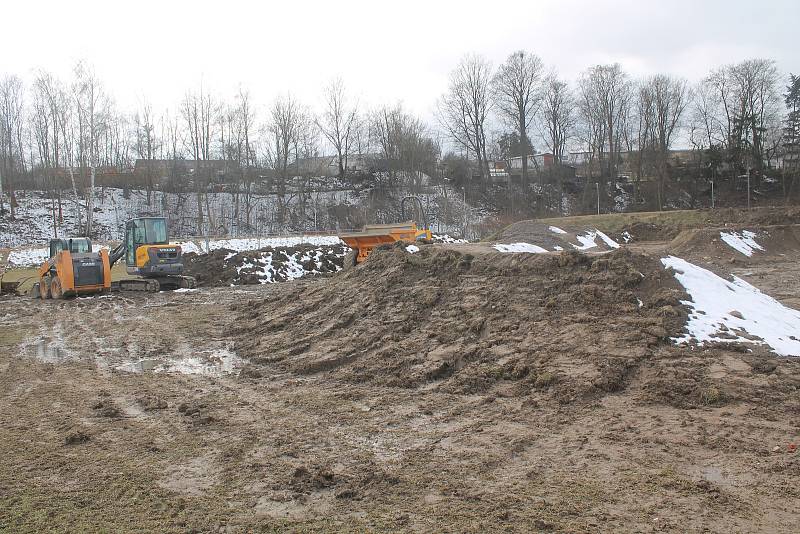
586,418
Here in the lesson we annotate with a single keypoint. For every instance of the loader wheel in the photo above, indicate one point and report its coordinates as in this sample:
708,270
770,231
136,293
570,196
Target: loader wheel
55,288
44,288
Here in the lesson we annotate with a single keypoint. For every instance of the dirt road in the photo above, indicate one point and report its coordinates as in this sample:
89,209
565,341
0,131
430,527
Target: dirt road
135,413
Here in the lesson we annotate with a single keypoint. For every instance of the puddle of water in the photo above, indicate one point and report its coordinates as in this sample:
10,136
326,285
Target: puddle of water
211,363
50,352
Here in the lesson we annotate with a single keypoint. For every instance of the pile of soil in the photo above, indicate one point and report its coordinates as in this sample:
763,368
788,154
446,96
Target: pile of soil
706,243
647,231
570,324
541,234
223,267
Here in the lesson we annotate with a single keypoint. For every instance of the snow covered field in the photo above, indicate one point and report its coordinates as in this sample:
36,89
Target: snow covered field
35,256
253,243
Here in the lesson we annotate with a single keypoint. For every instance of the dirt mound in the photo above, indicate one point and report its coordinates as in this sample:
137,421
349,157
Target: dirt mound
737,243
223,267
647,231
556,238
570,324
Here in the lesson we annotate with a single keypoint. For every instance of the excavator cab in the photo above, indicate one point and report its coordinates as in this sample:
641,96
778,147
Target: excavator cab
147,249
149,254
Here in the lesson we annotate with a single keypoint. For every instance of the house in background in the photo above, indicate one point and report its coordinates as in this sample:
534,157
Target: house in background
536,162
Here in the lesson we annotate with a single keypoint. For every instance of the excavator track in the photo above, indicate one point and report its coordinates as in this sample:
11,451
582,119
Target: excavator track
154,285
149,286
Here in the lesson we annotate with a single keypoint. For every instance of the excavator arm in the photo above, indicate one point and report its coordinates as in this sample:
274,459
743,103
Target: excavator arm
115,255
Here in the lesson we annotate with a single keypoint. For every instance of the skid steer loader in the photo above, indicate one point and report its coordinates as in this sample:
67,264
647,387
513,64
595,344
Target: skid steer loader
73,269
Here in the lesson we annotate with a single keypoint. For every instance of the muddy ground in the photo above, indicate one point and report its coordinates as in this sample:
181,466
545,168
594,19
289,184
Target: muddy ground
338,404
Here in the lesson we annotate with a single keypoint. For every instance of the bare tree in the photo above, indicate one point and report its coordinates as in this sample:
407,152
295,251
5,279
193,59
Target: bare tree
12,119
607,89
558,117
558,123
517,94
92,107
747,105
338,122
199,111
146,142
668,99
286,118
464,108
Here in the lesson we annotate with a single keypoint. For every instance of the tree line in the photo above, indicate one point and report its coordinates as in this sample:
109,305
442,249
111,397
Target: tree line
740,118
736,119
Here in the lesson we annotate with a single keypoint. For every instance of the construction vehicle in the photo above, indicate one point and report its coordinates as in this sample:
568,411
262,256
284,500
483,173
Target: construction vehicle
149,255
74,269
374,235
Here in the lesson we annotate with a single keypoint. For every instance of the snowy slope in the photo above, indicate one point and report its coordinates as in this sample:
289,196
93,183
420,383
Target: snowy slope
734,311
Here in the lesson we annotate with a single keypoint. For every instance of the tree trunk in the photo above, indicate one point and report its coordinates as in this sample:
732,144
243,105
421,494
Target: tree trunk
90,203
2,208
199,211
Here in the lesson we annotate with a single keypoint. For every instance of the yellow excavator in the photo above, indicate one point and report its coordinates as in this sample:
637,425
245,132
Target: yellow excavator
373,235
74,269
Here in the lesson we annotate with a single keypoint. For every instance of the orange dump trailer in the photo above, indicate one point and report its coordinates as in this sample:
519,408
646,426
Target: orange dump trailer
373,235
378,234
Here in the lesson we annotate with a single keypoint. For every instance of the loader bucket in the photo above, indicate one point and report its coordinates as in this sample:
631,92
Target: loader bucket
379,234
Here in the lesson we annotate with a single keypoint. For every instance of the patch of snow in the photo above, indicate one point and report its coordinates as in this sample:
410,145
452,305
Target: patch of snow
557,248
556,230
185,290
445,238
725,311
744,242
189,246
627,237
639,302
520,247
28,257
243,244
608,241
589,240
411,249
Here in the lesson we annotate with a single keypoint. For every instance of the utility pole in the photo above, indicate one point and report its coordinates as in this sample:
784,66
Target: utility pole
597,186
748,188
465,212
712,194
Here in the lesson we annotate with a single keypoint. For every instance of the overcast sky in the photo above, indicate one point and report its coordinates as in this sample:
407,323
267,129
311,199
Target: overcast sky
384,51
